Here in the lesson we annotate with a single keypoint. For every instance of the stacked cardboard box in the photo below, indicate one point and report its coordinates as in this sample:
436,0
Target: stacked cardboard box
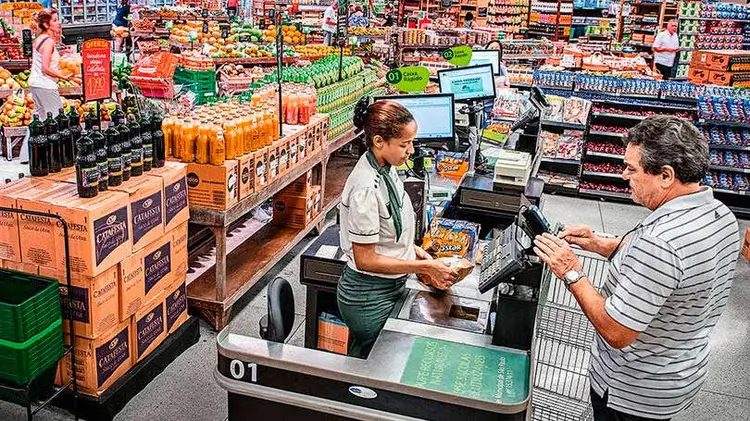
128,263
220,187
723,68
297,204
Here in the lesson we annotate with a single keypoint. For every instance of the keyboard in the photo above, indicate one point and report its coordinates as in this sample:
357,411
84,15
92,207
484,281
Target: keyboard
503,259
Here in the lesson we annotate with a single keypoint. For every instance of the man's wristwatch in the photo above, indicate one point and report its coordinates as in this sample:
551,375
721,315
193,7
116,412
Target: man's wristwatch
571,277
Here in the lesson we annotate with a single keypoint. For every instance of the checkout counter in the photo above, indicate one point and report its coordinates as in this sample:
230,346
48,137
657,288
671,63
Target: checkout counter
437,357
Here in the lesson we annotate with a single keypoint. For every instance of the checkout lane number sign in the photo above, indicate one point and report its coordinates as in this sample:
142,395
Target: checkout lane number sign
243,371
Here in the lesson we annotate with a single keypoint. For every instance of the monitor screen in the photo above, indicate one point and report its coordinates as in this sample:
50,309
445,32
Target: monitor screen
433,114
486,57
468,83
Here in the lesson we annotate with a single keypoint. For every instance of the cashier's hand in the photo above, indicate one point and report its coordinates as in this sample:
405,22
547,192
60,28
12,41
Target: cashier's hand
580,235
421,254
557,254
438,274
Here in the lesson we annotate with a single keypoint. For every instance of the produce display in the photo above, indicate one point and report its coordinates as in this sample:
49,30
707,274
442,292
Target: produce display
324,72
70,65
8,81
318,50
364,31
17,111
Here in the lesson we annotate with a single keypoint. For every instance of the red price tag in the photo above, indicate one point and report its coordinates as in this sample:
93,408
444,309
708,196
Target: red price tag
97,69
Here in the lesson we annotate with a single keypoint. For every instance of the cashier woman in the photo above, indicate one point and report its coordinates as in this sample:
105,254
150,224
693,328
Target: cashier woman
377,228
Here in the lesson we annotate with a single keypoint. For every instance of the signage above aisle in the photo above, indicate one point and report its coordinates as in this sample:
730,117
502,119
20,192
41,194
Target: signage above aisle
409,78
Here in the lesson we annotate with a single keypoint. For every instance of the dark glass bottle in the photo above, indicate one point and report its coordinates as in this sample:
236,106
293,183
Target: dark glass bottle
114,156
118,117
91,119
148,142
127,161
66,140
53,140
87,172
38,148
136,147
160,153
102,163
74,120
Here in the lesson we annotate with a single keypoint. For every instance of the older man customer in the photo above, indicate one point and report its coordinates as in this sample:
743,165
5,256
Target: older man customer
668,283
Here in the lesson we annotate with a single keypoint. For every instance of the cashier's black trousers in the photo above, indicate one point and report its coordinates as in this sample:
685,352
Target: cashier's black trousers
365,302
602,413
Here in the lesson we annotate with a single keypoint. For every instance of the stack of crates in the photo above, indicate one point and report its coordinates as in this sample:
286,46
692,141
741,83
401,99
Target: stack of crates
31,336
200,82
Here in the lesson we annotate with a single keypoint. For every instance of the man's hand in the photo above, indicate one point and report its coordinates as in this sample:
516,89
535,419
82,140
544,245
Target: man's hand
557,254
580,235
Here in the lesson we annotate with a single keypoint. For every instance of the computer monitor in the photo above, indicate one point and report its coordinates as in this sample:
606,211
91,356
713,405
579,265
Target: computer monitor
486,57
468,83
432,112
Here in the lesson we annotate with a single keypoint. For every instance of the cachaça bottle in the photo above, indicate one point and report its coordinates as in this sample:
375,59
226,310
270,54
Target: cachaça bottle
127,157
148,142
66,139
102,163
160,151
87,171
114,156
38,148
53,140
136,147
74,120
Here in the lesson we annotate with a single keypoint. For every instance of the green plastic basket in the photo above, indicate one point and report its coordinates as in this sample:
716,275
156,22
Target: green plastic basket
22,362
198,81
28,304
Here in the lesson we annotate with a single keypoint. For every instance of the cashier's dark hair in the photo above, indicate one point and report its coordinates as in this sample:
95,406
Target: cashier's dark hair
386,119
673,141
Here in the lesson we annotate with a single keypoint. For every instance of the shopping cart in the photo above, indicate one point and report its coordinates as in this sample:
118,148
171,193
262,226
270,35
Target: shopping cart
562,348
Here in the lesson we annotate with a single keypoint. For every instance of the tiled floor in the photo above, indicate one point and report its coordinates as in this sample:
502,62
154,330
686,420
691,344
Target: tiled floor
186,389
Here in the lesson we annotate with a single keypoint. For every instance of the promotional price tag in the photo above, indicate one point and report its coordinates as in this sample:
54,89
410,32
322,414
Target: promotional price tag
205,27
204,13
460,56
225,31
27,42
409,79
97,69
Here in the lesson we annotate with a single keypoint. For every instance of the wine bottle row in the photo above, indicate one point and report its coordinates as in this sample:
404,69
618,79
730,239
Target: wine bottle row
103,158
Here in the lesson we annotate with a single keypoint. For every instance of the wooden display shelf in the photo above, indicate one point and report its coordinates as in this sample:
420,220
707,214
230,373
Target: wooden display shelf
233,273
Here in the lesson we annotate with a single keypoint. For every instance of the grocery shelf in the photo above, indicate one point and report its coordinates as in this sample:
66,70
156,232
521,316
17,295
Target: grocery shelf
729,147
603,175
731,169
520,85
564,125
703,122
680,107
619,116
716,19
605,155
605,194
561,161
737,192
607,134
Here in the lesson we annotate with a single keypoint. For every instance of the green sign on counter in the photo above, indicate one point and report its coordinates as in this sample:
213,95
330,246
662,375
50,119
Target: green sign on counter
460,56
409,78
474,372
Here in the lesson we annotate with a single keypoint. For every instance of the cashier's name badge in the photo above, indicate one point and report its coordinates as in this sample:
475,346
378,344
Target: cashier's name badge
240,370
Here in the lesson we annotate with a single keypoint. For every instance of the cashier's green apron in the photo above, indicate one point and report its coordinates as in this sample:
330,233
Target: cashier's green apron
365,302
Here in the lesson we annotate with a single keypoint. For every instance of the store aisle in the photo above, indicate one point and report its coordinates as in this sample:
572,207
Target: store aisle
186,389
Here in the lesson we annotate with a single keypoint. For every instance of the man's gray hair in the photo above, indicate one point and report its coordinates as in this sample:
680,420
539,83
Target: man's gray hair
667,140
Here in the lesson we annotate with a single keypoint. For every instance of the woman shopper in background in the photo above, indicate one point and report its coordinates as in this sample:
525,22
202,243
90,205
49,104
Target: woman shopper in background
377,228
45,65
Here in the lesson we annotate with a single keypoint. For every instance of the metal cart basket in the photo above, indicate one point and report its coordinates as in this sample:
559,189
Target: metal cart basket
562,348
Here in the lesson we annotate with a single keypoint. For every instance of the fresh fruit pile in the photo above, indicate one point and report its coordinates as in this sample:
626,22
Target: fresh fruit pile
240,50
291,34
14,53
610,148
70,65
17,110
604,167
22,78
362,31
194,60
325,72
7,81
318,50
245,32
237,71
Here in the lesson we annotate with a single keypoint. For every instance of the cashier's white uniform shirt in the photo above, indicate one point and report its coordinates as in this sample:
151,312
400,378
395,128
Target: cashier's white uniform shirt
665,40
365,219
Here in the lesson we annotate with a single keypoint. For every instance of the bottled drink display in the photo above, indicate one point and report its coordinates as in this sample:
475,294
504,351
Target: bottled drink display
66,140
136,147
38,148
102,162
127,156
114,156
118,116
160,155
53,140
91,119
148,143
74,120
87,172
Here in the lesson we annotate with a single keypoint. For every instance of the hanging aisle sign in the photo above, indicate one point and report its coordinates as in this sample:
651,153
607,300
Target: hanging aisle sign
97,69
409,78
460,56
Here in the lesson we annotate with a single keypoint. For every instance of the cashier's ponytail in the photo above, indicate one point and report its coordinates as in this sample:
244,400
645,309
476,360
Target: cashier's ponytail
381,118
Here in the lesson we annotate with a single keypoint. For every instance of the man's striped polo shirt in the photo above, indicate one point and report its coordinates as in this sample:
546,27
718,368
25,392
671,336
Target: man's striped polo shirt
670,282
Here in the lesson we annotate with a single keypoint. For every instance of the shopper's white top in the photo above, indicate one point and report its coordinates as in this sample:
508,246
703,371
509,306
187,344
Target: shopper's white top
670,282
365,218
329,13
665,40
37,78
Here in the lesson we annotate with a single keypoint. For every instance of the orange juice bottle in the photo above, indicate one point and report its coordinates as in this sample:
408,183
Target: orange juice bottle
275,122
202,144
166,128
188,140
254,132
236,140
304,109
292,111
228,139
217,147
268,124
